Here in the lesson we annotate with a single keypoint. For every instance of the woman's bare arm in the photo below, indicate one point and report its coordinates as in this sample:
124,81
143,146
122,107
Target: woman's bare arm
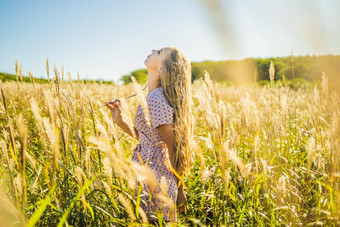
118,119
125,127
167,133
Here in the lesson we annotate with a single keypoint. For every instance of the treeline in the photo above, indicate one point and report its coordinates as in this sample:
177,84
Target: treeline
304,68
4,77
308,67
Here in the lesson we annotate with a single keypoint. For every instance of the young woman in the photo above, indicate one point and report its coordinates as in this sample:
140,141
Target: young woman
169,138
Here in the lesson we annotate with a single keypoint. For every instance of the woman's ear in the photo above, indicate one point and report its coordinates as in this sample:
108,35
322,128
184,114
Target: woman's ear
160,69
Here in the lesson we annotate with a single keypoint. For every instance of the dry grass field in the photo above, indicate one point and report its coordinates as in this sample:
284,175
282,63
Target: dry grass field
264,155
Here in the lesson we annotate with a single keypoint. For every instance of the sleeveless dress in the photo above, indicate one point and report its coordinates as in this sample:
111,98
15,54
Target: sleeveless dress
153,151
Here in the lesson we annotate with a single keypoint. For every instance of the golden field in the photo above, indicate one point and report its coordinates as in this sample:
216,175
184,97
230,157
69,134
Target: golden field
264,155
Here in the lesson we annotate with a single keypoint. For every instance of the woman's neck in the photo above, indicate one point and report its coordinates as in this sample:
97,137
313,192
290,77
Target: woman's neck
153,81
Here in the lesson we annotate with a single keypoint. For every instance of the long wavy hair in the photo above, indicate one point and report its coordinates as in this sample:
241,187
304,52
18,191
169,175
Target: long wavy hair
176,84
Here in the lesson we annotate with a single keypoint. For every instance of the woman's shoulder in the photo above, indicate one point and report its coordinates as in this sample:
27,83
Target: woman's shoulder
156,96
160,110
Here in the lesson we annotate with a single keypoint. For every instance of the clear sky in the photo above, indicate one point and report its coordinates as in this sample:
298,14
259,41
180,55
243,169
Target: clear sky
107,39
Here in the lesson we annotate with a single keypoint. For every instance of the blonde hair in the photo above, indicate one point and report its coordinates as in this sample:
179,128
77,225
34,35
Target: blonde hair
176,84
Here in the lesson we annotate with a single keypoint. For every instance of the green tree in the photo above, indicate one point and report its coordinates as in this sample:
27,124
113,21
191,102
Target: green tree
141,76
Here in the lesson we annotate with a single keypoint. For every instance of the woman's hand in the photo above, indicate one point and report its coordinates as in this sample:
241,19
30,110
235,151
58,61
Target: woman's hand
115,111
181,198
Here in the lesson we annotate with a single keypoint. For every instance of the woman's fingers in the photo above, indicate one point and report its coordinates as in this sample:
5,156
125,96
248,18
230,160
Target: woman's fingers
111,107
181,208
181,201
108,105
115,102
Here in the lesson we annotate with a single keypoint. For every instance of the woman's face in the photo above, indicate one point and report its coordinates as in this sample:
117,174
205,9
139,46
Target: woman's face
155,59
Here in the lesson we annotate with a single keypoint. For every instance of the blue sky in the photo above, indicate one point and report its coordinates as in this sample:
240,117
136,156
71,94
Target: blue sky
107,39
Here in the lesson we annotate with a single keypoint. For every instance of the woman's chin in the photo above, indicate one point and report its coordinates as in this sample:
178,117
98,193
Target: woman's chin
146,63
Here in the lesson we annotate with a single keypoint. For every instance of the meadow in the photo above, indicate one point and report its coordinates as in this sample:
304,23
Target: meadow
264,155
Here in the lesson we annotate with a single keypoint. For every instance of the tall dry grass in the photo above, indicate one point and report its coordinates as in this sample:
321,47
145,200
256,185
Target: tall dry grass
264,155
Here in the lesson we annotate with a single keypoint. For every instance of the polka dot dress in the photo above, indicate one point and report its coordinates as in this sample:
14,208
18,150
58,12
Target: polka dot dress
153,151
